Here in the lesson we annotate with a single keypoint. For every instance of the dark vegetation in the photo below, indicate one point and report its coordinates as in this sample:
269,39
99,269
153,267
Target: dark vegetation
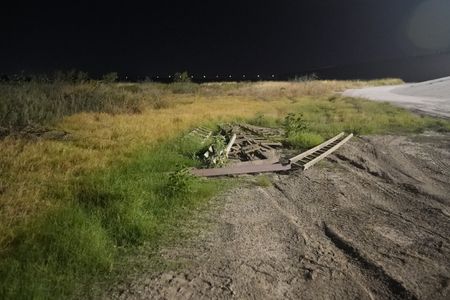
38,100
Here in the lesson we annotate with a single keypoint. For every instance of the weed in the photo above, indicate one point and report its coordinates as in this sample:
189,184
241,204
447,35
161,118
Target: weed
180,182
189,146
294,123
262,120
304,140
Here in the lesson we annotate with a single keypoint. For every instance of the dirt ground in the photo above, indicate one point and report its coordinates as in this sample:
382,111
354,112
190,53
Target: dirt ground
370,222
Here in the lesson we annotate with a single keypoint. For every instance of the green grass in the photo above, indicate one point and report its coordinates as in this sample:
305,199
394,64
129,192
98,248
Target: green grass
330,116
305,140
264,121
263,181
114,209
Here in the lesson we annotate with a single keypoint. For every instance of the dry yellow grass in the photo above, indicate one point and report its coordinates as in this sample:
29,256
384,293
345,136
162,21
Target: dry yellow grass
28,168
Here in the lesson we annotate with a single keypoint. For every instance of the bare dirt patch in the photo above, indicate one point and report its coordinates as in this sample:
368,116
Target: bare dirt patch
370,222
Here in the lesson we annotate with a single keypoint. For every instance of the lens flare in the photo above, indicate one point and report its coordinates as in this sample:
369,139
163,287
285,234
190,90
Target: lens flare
429,26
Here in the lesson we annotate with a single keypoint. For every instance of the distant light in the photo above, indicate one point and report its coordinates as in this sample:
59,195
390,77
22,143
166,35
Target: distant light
229,76
170,76
217,76
243,76
192,76
257,75
157,76
273,76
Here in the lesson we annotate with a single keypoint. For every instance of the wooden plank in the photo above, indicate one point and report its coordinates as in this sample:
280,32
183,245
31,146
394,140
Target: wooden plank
230,144
310,151
251,148
269,161
203,128
252,130
271,144
267,154
207,137
323,155
235,170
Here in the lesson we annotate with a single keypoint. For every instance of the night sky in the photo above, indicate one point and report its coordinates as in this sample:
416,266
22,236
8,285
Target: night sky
228,37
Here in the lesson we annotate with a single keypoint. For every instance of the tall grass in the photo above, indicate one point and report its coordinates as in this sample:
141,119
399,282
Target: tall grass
39,103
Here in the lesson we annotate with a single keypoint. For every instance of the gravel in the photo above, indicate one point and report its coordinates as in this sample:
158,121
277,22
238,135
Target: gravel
429,97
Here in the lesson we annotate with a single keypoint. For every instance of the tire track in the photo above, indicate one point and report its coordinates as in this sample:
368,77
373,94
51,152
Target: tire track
396,288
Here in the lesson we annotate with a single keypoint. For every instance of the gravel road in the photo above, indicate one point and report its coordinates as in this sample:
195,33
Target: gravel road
429,97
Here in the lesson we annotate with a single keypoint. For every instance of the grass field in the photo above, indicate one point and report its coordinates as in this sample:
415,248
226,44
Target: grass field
67,206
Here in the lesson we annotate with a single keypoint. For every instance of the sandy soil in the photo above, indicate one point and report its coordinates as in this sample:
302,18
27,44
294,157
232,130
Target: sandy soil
370,222
429,97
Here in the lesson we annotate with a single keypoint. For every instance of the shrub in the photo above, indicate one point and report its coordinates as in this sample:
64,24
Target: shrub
294,123
180,182
34,102
71,76
305,78
110,77
182,77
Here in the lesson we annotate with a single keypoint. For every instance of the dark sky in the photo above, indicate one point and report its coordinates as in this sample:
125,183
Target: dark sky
218,37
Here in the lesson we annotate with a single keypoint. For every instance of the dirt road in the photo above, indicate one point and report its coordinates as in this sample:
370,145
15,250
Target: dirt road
370,222
429,97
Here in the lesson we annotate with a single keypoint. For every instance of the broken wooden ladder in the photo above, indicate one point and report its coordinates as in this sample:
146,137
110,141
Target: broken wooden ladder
307,159
202,132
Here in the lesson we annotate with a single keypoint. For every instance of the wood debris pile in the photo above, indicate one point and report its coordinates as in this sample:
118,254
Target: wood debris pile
252,143
255,149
